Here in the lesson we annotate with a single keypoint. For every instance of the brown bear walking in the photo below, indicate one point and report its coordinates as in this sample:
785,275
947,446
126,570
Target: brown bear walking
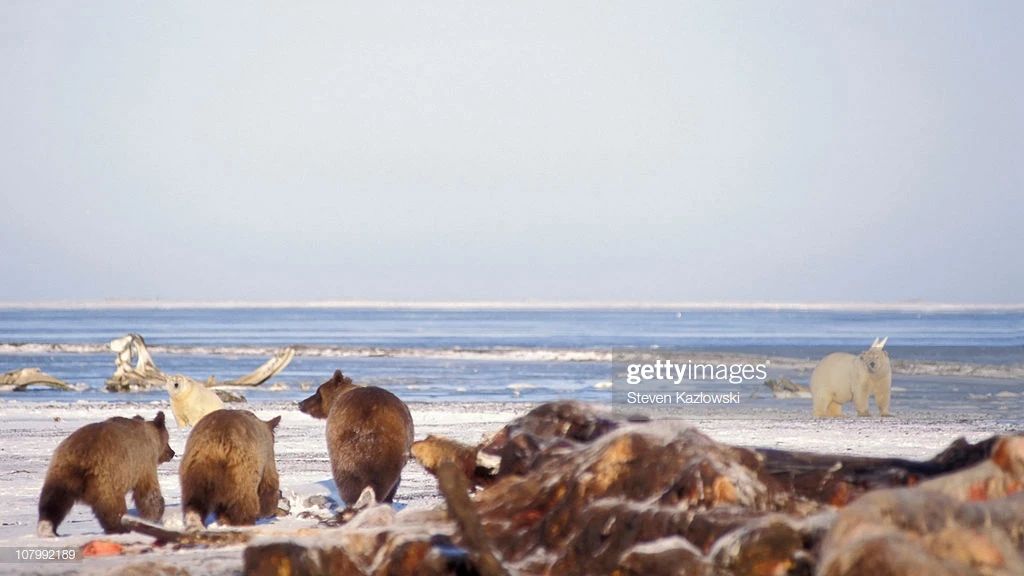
101,462
369,432
229,470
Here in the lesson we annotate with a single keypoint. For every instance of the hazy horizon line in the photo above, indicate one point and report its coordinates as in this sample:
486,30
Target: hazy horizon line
114,304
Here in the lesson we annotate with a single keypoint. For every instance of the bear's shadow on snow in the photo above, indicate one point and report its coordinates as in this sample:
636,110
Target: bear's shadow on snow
332,493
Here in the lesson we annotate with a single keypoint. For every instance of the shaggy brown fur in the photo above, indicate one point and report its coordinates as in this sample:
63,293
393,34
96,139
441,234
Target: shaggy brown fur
433,450
101,462
229,469
369,432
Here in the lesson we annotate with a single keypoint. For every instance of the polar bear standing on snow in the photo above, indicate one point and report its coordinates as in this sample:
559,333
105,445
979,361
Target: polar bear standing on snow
191,400
840,378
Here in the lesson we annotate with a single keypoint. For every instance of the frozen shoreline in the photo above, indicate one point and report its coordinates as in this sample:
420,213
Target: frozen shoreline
1012,370
32,431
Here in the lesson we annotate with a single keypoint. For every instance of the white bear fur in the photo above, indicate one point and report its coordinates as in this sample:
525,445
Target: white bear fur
191,400
840,378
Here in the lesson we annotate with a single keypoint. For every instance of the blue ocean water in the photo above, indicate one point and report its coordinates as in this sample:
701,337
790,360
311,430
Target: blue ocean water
467,355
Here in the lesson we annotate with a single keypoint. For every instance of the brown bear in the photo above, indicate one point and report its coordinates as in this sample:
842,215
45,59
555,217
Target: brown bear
433,450
369,433
229,469
101,462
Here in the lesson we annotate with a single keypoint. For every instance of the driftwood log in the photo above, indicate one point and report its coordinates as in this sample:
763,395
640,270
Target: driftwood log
266,371
134,368
186,539
786,388
21,379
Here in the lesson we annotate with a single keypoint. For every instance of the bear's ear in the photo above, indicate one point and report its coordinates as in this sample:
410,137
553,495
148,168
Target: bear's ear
159,420
273,422
338,376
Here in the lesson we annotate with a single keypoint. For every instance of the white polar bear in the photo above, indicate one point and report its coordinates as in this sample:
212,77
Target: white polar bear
191,400
840,378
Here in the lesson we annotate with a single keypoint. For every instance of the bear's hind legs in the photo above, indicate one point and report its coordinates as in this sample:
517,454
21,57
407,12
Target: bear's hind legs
882,401
351,484
193,519
242,512
193,512
820,404
147,498
109,509
269,494
860,401
834,410
391,495
54,504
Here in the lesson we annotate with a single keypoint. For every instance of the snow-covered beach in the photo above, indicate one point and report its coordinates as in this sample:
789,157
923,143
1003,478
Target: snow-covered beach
33,429
301,458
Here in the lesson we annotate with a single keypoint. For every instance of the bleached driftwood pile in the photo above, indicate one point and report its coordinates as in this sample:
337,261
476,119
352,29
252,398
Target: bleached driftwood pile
576,493
134,368
786,388
21,379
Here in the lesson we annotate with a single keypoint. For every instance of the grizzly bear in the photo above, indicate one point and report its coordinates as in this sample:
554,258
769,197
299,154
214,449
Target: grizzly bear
228,469
369,433
101,462
433,450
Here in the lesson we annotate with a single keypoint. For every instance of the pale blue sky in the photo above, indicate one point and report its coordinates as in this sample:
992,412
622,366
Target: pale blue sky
793,151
